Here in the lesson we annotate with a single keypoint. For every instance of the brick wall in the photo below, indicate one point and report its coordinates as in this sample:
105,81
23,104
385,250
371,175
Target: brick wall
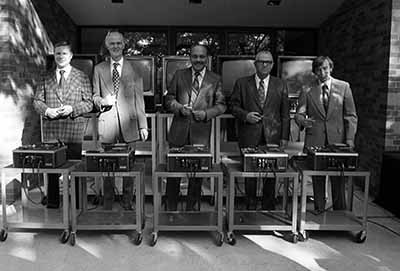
357,38
24,43
392,142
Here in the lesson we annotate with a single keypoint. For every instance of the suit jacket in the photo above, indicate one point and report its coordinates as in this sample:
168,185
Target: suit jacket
129,107
210,99
275,124
338,124
77,92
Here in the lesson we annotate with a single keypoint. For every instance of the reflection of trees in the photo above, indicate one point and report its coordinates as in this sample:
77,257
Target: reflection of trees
185,40
25,46
300,81
249,44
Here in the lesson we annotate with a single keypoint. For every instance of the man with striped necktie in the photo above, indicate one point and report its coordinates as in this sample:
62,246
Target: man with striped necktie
195,97
260,102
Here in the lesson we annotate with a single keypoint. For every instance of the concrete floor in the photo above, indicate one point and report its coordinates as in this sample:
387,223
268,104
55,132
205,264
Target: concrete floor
197,250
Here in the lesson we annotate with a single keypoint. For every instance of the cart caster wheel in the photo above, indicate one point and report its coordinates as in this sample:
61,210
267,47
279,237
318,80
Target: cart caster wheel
361,237
64,237
303,236
154,238
231,239
72,240
138,239
293,238
220,239
3,235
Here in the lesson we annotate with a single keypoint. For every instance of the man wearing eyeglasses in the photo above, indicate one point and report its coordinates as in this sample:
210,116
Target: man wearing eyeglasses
260,102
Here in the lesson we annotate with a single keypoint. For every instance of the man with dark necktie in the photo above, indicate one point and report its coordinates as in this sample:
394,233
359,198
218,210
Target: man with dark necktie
195,97
118,94
327,111
61,98
260,103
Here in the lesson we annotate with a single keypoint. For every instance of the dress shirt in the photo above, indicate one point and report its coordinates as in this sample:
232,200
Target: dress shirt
266,81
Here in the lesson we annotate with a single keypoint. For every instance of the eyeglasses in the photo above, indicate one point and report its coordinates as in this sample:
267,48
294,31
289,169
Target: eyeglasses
266,62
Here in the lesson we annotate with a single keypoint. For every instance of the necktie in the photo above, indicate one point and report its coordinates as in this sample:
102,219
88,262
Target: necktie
195,88
261,92
61,83
115,78
325,97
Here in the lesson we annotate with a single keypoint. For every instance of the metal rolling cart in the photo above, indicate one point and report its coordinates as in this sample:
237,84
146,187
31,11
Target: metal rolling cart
336,220
279,220
187,221
85,219
30,216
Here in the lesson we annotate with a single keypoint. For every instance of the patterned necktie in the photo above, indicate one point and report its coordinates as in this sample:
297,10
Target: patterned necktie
261,92
195,88
61,83
115,78
325,97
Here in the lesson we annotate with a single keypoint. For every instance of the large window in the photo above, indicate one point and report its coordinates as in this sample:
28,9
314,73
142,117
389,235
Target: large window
250,43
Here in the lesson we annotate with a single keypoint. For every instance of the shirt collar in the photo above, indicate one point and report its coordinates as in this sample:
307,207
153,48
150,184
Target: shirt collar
120,62
266,80
202,72
328,83
67,70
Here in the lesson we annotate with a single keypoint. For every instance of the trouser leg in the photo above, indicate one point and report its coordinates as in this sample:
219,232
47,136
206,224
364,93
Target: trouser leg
172,192
194,194
268,199
250,186
319,192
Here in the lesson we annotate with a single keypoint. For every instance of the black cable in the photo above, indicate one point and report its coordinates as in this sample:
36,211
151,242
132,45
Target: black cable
383,226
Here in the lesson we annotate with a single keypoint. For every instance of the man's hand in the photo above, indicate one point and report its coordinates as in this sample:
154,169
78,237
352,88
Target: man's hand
283,144
52,113
308,122
186,110
144,134
199,115
350,143
253,117
65,110
109,100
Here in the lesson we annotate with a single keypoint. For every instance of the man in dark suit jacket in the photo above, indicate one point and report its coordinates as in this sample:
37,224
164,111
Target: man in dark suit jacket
328,113
260,103
61,98
195,97
118,94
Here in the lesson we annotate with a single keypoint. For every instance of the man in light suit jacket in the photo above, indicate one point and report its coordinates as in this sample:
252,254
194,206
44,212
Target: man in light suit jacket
260,103
195,97
118,94
61,98
327,111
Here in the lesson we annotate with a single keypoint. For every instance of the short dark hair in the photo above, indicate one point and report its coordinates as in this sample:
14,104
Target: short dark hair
63,43
201,45
320,60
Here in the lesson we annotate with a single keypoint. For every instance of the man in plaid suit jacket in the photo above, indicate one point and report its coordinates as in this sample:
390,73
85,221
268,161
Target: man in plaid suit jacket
118,94
61,98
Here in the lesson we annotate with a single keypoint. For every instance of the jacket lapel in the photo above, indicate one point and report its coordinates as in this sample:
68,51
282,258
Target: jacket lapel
52,81
125,73
69,83
316,98
204,83
253,92
270,92
106,75
334,92
187,81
